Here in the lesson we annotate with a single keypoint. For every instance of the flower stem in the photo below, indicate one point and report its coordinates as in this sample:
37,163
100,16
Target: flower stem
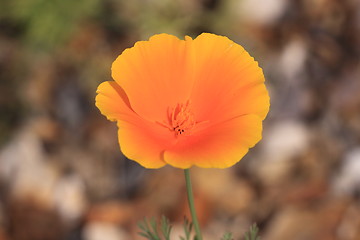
191,204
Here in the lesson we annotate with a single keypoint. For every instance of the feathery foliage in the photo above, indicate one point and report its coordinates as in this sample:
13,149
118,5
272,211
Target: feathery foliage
152,231
253,233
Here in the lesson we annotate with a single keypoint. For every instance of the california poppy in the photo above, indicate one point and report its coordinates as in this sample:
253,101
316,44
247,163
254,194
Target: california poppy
185,102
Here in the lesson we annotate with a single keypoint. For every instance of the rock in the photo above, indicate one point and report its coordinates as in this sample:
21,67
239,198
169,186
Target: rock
311,223
223,189
24,169
103,230
349,227
262,12
348,179
280,145
69,198
3,223
29,219
292,59
113,212
285,140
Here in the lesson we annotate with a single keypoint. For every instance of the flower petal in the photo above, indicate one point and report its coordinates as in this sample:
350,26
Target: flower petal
112,101
139,139
143,142
154,75
219,146
228,81
252,99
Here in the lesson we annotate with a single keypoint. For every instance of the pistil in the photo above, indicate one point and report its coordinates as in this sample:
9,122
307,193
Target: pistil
180,119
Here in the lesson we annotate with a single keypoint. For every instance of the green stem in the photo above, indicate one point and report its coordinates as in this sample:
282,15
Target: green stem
191,204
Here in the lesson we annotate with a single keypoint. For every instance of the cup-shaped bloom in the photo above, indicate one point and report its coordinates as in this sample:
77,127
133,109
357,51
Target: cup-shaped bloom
185,102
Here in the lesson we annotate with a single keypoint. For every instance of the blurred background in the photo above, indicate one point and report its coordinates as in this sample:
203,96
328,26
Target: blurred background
62,175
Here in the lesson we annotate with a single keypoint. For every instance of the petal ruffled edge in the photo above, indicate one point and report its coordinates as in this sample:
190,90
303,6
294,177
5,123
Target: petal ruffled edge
137,138
219,146
154,74
229,82
112,101
143,142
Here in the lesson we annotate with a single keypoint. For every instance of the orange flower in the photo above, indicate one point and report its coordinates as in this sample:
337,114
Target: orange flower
185,102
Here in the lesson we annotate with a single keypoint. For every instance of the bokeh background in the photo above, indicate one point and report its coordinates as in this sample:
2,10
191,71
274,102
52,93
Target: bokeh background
62,175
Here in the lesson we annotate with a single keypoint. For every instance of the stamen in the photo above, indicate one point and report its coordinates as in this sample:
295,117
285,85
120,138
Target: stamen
181,119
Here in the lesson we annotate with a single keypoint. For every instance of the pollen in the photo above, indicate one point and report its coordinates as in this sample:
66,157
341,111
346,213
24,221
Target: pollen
180,119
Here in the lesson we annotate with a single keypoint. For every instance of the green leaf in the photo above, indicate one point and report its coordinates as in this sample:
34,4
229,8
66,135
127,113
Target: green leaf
147,232
253,232
187,226
145,235
227,236
165,227
149,229
153,225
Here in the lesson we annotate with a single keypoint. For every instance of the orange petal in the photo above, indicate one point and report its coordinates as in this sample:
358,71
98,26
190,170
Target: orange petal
219,146
252,99
113,102
228,81
144,142
154,75
139,139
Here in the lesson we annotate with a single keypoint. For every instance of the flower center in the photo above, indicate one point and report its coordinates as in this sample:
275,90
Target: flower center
180,119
